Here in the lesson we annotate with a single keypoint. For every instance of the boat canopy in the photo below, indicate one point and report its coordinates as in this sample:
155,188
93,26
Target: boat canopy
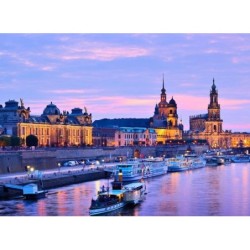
114,192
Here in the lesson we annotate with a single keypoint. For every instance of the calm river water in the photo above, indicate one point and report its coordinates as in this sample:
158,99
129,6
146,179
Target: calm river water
216,191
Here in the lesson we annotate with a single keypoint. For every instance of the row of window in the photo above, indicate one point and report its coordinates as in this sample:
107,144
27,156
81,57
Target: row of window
46,131
139,136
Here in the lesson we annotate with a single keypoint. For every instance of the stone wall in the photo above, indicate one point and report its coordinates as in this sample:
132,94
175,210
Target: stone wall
12,162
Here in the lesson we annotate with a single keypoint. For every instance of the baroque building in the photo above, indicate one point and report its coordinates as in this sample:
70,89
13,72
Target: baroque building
165,119
209,127
52,128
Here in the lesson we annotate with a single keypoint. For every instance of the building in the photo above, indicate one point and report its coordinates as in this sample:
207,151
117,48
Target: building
135,136
52,128
209,127
104,137
165,119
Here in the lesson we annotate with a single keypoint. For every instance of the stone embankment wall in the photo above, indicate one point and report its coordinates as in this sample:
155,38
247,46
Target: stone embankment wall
42,159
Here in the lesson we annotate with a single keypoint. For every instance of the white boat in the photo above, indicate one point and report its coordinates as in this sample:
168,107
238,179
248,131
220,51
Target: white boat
240,158
120,196
134,192
131,170
154,167
197,162
183,163
141,169
107,201
178,164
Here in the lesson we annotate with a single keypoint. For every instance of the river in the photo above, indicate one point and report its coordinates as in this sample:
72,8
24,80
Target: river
210,191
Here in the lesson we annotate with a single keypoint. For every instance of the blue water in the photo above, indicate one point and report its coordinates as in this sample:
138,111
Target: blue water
216,191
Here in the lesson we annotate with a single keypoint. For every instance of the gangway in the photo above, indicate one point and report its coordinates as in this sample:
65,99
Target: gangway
13,186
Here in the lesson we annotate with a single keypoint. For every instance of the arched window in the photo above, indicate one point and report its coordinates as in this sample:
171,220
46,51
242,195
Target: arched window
171,111
214,128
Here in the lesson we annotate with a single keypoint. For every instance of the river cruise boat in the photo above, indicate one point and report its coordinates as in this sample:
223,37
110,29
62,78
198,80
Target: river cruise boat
141,169
198,163
183,163
240,158
120,196
132,170
154,167
178,164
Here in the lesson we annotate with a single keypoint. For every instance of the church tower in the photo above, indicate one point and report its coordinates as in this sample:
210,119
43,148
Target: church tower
214,122
163,103
172,116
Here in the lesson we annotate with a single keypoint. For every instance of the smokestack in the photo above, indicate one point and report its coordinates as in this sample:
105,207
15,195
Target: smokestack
120,175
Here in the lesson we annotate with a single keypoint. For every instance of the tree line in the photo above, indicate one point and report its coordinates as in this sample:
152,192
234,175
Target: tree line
15,141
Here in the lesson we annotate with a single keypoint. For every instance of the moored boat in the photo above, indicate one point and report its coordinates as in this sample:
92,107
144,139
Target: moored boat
131,170
154,167
31,192
134,192
240,158
178,164
212,162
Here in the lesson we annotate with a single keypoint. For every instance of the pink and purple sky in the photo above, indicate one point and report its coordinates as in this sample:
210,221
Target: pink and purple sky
120,75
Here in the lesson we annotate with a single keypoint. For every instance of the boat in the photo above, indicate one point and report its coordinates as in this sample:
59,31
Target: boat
212,162
31,192
196,161
240,158
141,169
178,164
132,170
120,196
186,162
154,167
134,192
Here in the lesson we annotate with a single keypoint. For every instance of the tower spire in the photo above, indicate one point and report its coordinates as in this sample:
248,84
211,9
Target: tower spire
213,86
163,83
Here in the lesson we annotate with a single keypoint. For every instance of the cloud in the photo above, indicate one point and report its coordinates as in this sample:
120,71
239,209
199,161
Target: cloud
99,51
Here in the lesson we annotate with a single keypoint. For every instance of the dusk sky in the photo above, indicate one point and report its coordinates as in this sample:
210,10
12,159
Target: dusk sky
120,75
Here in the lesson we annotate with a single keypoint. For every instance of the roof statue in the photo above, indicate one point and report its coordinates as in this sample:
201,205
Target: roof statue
21,101
85,110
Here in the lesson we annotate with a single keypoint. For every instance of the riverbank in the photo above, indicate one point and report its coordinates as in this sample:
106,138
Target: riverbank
49,158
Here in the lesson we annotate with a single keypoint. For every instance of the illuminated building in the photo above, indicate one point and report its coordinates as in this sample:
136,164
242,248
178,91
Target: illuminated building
210,127
165,119
135,136
52,128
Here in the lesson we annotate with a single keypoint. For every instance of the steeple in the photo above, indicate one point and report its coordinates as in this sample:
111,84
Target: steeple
213,86
163,90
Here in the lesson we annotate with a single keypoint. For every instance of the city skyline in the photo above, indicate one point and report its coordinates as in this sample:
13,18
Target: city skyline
120,75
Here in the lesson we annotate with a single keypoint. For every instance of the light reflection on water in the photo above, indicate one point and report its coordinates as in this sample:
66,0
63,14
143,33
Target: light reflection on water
223,190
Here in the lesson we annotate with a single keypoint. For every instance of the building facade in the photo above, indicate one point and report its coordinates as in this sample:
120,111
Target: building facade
104,137
135,136
165,119
52,128
209,127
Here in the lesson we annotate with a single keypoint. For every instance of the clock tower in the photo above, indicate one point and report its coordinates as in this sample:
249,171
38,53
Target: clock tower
214,122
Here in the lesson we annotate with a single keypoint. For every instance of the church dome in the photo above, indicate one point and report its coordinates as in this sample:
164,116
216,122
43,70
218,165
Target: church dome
172,102
51,109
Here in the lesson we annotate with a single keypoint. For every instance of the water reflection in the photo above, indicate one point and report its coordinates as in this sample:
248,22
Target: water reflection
222,190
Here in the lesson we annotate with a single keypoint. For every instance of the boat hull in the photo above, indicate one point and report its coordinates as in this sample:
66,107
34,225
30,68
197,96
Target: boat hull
107,209
35,196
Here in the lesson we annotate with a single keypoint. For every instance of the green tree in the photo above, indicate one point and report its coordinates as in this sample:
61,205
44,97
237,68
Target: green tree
4,141
15,141
31,140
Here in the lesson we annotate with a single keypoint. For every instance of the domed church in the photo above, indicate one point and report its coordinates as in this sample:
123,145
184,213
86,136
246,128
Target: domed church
165,119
